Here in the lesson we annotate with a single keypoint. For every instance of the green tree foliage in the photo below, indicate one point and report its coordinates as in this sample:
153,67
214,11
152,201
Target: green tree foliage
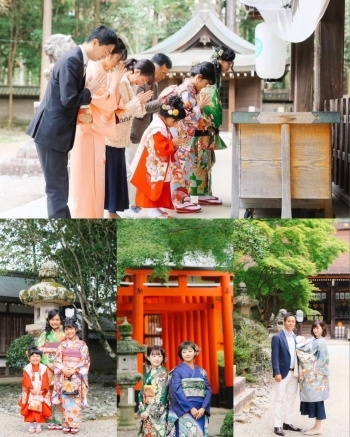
169,241
84,251
16,357
297,249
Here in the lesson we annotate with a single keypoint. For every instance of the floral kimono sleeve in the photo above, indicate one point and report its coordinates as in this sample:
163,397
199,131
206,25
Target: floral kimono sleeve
160,398
40,345
58,365
84,364
163,146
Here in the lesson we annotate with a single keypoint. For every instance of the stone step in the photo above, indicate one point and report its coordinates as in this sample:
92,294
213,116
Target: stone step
239,385
243,399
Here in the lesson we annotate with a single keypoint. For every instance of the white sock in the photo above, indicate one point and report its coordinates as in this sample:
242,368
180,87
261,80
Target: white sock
154,212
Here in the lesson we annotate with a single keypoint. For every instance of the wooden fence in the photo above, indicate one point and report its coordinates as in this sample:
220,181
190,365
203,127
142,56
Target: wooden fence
340,148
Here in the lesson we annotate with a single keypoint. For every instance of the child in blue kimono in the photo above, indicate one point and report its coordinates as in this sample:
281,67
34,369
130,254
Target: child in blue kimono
190,394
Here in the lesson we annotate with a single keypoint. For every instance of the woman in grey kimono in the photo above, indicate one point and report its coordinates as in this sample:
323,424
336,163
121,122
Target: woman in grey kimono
313,361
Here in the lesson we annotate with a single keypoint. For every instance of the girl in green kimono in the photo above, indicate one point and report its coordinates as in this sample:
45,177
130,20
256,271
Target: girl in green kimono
153,395
207,139
48,343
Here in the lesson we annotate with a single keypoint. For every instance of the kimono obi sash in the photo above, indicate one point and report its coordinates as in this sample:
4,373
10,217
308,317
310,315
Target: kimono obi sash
71,356
193,387
52,345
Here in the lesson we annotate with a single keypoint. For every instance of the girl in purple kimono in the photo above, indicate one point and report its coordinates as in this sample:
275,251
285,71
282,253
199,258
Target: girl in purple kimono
314,376
190,394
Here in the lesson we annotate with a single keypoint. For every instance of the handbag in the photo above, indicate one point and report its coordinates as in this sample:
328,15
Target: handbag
35,405
84,115
68,388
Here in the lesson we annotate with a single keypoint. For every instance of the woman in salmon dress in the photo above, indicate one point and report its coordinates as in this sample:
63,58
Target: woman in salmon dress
87,158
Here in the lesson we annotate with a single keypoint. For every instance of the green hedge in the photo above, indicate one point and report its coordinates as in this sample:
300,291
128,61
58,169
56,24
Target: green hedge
16,357
226,429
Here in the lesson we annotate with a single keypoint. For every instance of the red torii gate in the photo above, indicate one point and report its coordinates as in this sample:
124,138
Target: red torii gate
198,312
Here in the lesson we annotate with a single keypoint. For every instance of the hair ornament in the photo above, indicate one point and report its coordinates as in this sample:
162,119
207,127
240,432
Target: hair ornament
194,63
170,111
216,54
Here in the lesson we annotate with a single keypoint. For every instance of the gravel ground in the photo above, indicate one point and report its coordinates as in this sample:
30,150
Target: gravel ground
98,419
215,423
16,191
337,406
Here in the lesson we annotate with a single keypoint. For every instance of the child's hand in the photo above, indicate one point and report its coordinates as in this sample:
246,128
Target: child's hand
40,392
33,392
144,415
178,141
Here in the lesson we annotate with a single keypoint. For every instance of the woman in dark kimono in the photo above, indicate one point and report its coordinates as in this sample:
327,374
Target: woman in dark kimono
190,394
314,376
153,397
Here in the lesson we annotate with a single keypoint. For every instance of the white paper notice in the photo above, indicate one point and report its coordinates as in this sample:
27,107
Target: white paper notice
130,396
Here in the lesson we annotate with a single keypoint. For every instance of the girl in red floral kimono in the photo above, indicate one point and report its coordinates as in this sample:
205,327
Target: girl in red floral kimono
151,165
35,402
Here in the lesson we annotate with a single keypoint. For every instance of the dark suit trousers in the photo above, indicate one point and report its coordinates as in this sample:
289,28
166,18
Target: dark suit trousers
55,168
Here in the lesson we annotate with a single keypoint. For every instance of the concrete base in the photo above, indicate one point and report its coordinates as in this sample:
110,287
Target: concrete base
241,394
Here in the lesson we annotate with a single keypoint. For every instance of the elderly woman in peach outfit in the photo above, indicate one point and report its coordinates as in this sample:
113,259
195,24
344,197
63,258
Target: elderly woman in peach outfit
87,158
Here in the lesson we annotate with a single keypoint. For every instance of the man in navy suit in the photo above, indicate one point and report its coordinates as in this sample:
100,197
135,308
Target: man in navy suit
283,357
54,123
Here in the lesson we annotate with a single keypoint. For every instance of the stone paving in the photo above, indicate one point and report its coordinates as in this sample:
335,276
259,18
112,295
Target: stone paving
215,422
101,397
24,197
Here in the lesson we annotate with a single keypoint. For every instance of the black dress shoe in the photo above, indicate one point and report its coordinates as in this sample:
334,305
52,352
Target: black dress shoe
278,431
291,427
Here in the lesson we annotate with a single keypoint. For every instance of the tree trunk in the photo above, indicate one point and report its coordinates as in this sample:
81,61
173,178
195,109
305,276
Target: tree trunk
97,13
11,67
231,15
155,36
45,62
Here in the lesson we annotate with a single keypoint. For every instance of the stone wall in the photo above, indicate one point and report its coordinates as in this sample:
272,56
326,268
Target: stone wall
23,110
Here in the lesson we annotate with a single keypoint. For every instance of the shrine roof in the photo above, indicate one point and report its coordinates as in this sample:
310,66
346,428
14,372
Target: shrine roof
10,286
203,18
194,41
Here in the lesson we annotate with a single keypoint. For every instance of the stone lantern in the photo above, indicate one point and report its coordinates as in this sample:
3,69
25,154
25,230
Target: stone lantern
243,303
127,375
44,296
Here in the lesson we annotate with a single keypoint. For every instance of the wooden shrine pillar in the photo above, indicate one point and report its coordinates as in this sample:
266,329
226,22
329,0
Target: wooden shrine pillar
329,54
213,336
198,332
165,336
302,75
173,360
206,348
138,319
227,328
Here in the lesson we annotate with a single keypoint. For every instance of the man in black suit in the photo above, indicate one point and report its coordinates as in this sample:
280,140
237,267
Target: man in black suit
283,357
54,124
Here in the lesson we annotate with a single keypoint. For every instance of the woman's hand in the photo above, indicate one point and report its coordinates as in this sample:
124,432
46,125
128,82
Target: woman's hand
144,415
117,75
200,413
194,412
203,100
145,96
33,392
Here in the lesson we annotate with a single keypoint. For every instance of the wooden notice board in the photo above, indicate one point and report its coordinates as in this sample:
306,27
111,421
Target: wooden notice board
282,160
